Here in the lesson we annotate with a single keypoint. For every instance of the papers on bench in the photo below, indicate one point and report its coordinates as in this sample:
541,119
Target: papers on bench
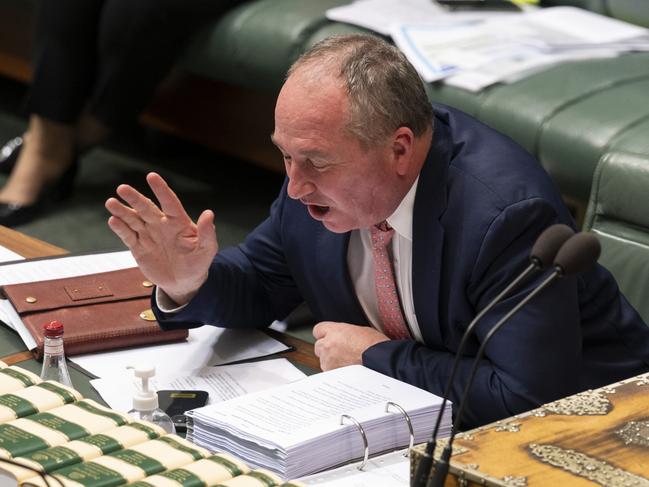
477,49
7,255
388,470
382,15
222,383
296,429
205,346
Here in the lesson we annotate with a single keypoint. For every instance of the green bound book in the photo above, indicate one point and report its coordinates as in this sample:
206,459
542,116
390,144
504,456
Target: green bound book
128,465
209,471
13,378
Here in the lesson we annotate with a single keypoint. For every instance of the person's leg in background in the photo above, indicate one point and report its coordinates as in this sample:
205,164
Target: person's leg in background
134,44
64,72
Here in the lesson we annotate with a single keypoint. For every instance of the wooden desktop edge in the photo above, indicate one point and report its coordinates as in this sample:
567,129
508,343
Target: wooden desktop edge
31,247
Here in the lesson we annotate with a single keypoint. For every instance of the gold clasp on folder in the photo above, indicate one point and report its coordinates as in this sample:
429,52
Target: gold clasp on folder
147,315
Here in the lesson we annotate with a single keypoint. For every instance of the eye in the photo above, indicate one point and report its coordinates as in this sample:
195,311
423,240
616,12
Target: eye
318,165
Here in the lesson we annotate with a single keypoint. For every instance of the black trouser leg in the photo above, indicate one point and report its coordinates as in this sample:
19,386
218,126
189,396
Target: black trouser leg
139,41
109,54
64,58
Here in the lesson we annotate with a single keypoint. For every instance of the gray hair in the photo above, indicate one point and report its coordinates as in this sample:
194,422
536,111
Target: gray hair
383,88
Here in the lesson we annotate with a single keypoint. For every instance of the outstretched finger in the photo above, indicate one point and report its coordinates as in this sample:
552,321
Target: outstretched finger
125,213
125,233
145,208
169,201
206,229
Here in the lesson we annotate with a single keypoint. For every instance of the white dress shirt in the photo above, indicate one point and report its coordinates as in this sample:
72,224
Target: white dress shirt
361,265
361,268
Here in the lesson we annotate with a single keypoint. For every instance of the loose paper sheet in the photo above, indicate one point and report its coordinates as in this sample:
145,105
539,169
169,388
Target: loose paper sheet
389,470
206,346
224,382
7,255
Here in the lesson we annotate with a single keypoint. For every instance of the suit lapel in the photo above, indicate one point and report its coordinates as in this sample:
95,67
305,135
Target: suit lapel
341,302
428,235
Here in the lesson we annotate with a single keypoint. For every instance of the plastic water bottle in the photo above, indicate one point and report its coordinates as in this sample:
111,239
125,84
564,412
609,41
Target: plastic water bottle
54,365
145,401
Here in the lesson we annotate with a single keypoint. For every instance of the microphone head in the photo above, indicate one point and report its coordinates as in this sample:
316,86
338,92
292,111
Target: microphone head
548,244
580,252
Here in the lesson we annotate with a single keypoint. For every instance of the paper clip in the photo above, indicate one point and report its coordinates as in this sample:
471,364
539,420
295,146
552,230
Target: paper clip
405,415
363,435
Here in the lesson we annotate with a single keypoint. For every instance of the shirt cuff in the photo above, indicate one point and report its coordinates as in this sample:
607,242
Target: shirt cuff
165,303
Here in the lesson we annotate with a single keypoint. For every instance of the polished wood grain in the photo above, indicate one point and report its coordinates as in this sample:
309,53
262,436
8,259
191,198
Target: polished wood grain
302,352
26,246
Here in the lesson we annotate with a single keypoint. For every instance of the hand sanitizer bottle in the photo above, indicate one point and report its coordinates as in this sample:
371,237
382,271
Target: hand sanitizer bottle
145,401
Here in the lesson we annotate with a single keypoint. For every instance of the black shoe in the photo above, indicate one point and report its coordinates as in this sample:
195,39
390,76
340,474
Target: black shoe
9,154
12,214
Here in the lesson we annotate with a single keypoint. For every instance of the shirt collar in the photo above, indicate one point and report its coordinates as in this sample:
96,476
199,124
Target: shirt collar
401,219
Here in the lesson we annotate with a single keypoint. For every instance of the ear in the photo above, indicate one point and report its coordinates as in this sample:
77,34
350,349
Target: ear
402,149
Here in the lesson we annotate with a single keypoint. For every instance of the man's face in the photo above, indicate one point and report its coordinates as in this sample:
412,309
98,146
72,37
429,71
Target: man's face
342,184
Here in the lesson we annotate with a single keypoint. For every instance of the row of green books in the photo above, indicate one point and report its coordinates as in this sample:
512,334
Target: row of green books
51,436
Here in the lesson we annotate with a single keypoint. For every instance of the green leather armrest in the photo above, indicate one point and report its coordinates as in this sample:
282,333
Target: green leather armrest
254,44
617,213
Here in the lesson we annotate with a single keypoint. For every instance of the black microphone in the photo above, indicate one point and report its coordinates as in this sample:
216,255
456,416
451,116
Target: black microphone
576,255
542,254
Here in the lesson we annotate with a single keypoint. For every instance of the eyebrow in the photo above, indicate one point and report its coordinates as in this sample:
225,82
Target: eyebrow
307,153
272,139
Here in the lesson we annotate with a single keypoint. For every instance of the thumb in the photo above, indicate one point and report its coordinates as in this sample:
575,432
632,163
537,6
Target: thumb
320,330
206,230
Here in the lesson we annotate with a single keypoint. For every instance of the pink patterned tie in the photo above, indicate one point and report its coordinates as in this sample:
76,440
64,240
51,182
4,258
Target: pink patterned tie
394,325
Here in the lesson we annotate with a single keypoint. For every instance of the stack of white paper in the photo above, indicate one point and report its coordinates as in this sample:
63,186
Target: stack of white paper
296,429
472,50
506,49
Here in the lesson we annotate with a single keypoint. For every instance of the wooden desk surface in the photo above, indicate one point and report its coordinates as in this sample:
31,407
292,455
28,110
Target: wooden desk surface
30,247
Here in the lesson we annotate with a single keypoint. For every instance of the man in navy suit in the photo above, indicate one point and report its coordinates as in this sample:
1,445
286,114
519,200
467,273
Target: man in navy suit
366,153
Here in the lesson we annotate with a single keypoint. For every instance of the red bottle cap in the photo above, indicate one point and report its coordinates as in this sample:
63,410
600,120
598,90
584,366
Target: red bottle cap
53,328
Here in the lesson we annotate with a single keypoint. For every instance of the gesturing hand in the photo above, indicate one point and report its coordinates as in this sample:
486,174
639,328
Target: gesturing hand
340,344
171,250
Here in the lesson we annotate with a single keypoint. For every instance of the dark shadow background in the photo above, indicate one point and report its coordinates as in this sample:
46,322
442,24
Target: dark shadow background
239,193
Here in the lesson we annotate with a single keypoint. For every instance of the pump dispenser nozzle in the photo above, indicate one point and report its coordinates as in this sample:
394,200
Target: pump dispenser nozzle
145,400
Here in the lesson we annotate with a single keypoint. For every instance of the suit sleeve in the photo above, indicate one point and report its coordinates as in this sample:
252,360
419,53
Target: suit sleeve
534,358
248,286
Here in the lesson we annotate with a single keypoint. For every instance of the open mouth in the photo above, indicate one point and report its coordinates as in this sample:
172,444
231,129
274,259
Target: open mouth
318,212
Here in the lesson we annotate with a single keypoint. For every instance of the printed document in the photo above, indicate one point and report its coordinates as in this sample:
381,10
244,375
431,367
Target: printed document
222,383
301,428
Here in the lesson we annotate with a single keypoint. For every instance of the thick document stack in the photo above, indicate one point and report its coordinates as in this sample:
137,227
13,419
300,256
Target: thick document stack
50,435
594,438
99,311
319,422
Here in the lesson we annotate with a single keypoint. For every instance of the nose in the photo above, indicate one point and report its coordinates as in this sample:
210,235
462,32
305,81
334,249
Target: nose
299,185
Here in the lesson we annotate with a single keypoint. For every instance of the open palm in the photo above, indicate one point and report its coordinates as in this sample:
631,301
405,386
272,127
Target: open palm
170,249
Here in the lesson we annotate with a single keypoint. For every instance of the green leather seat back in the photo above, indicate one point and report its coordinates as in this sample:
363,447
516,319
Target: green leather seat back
618,212
254,44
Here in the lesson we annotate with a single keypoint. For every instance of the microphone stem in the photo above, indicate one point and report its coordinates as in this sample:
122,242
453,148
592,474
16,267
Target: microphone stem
426,462
476,362
469,330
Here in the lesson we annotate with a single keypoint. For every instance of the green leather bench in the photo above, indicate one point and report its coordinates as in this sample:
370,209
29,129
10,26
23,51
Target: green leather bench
569,116
617,214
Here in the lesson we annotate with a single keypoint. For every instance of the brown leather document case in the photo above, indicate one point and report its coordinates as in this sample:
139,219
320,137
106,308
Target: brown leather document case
99,311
